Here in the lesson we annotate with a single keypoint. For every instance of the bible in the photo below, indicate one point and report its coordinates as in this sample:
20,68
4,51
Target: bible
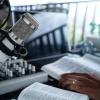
87,64
39,91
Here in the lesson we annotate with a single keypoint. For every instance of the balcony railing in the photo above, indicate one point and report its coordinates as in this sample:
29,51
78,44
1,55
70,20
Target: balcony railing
83,18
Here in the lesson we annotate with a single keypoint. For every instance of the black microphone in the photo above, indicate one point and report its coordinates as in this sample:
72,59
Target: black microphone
12,42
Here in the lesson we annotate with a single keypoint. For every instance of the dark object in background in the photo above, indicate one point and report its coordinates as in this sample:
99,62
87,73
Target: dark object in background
82,83
86,47
4,12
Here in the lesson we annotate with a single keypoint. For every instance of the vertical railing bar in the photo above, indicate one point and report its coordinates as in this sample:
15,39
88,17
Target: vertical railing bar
94,16
63,44
84,23
47,7
52,41
55,41
94,13
25,8
68,8
74,27
30,7
54,8
49,45
41,45
32,43
36,52
21,8
60,8
67,11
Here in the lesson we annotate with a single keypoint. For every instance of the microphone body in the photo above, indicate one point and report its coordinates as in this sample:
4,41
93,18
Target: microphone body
12,42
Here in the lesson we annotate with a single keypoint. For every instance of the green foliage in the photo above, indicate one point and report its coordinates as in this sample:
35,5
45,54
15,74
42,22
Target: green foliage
93,27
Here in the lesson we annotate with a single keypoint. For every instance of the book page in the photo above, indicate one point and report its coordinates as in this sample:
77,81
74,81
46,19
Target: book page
92,57
39,91
91,66
72,64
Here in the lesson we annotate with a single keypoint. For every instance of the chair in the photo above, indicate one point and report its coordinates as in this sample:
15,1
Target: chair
51,37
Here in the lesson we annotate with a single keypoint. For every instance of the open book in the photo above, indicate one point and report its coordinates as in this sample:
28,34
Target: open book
93,58
86,64
39,91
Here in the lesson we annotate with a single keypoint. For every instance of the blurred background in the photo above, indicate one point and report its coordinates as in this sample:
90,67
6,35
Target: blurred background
80,17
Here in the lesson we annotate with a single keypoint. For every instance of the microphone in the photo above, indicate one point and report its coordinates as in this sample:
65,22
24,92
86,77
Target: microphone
24,27
12,42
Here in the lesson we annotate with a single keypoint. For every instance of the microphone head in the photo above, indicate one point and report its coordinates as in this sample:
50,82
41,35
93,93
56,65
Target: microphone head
23,28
